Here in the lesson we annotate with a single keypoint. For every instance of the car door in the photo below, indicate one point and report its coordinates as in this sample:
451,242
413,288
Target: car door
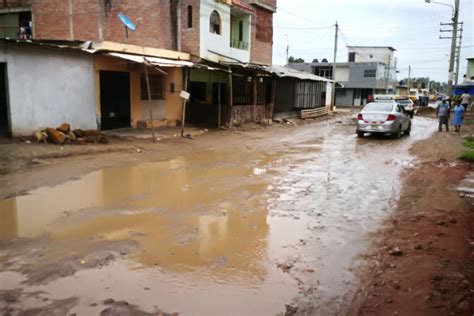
402,116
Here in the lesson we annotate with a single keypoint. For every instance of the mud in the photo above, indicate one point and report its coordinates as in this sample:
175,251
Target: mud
171,233
433,228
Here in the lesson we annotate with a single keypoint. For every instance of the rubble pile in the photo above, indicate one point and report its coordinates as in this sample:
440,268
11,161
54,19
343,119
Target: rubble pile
64,135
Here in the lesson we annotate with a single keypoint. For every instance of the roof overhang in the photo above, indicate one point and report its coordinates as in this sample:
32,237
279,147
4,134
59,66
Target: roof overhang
136,50
281,72
155,61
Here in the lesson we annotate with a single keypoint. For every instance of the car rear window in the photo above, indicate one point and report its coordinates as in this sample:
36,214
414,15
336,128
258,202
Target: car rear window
404,101
382,107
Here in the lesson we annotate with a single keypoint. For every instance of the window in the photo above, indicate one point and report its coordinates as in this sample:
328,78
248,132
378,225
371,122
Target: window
156,87
370,73
190,16
352,57
323,72
215,23
308,94
241,31
242,87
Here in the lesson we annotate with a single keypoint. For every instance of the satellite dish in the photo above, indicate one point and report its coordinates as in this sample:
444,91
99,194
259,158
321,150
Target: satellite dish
129,25
127,22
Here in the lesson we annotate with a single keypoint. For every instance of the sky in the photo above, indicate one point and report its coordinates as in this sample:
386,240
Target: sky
412,27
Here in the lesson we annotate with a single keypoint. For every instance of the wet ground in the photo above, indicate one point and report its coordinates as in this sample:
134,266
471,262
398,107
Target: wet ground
248,230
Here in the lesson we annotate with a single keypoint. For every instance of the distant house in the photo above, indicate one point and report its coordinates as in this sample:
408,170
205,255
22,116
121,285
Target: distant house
369,70
468,84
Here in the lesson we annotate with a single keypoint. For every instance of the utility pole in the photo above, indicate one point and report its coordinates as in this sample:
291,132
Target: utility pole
458,54
287,50
388,73
333,92
453,46
409,79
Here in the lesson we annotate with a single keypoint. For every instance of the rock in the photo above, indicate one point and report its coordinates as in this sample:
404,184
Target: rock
453,221
389,300
290,310
396,252
463,306
465,284
40,136
278,120
102,139
79,133
91,132
90,139
64,128
80,141
284,267
55,136
109,301
418,247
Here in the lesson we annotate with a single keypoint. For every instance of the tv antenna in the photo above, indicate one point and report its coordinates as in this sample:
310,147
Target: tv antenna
128,24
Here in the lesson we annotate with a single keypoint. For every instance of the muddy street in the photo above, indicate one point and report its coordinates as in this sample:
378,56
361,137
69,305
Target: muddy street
258,227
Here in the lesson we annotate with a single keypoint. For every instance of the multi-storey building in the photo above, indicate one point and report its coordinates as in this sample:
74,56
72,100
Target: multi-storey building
369,71
220,35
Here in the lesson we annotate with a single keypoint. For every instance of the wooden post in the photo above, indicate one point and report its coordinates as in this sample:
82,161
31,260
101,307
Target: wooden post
219,102
272,106
254,103
183,117
149,100
231,101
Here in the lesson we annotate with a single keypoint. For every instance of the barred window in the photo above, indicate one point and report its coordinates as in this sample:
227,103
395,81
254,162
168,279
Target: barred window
370,73
156,87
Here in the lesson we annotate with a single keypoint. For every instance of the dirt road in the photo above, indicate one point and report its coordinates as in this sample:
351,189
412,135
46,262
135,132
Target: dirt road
262,222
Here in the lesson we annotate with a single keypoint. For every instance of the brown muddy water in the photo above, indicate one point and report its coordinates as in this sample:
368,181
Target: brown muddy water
244,231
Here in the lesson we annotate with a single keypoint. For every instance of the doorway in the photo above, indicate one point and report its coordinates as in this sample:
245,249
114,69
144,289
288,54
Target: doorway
4,113
115,99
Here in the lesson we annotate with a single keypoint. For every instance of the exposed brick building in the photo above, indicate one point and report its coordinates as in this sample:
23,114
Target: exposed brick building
170,24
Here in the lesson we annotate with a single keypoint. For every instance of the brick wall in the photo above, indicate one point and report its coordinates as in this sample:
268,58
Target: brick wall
190,36
51,19
15,3
262,37
90,18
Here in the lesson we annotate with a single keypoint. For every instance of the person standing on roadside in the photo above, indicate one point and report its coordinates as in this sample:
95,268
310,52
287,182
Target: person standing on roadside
458,117
443,114
466,100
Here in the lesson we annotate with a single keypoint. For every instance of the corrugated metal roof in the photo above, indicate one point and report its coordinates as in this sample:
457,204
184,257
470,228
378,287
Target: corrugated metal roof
161,62
282,71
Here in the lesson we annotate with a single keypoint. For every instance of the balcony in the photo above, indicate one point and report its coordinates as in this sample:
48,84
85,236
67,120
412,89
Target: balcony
239,44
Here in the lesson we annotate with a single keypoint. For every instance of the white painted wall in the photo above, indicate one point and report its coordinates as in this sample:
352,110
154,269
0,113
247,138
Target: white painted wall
47,87
220,44
373,54
328,94
342,73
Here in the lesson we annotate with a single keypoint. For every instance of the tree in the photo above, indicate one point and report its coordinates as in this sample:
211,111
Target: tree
315,60
292,59
324,60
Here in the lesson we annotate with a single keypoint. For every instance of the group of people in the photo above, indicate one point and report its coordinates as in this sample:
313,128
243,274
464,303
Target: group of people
444,110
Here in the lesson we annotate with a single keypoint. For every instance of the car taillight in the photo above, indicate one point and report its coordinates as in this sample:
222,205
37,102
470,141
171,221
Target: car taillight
360,117
391,117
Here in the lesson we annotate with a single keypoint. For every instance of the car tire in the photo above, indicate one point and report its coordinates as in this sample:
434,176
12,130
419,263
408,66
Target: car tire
360,134
398,134
411,114
408,131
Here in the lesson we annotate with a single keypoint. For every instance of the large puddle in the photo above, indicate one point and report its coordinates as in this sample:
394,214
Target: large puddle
213,226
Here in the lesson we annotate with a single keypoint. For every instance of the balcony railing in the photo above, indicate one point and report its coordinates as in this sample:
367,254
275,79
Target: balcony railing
239,44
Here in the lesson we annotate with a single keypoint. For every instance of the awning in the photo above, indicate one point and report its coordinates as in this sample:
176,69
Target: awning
282,71
155,61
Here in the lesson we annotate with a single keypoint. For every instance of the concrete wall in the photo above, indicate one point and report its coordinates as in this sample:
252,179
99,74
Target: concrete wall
47,87
347,99
373,54
470,71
